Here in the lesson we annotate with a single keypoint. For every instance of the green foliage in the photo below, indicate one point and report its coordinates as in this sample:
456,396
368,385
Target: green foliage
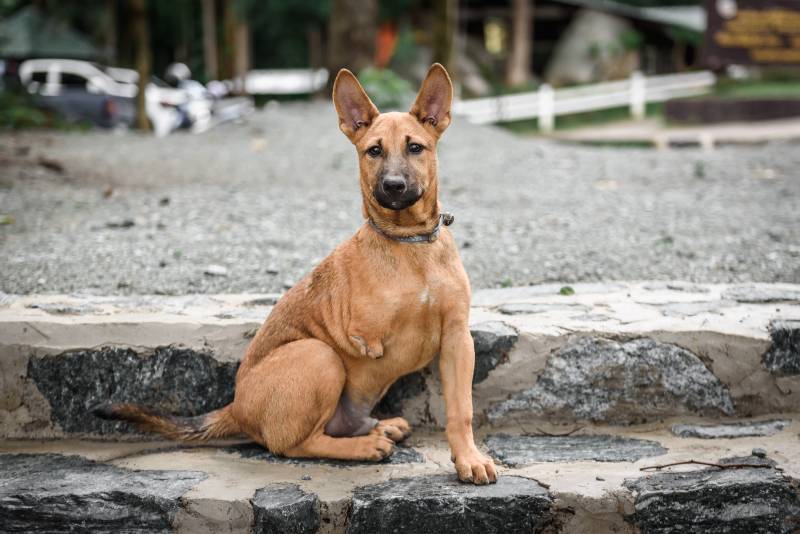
16,111
757,89
660,3
685,35
631,40
386,89
699,170
280,30
566,291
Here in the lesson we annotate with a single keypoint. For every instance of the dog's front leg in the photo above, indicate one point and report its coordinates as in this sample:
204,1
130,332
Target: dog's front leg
456,365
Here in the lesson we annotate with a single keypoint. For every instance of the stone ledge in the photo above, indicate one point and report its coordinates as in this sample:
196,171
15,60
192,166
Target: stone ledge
738,501
597,355
147,488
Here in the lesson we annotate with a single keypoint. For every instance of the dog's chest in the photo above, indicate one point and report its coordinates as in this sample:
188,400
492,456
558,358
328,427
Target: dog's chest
402,322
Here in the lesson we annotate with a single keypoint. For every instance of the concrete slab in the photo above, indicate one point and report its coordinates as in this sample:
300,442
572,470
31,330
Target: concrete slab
583,495
740,337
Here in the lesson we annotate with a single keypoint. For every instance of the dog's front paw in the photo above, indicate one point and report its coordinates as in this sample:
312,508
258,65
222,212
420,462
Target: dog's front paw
370,350
475,467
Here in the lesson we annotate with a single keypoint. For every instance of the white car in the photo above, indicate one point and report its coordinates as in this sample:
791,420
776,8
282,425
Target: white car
105,96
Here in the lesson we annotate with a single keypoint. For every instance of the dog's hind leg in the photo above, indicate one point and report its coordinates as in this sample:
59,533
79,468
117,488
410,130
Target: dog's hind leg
285,401
396,428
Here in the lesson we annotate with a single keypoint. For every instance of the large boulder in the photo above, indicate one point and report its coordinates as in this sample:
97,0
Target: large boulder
627,382
53,493
442,504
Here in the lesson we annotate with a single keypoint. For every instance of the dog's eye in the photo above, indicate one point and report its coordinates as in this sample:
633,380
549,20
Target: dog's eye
374,151
415,148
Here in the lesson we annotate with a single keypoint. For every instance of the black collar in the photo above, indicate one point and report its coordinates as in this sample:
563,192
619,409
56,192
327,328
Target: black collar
444,219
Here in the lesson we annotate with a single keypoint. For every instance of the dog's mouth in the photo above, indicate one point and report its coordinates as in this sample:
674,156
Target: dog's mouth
397,202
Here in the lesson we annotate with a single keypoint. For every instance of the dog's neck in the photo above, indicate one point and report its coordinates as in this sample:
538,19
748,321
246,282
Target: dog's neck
420,218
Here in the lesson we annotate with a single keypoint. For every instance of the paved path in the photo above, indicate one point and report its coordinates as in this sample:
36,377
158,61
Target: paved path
130,214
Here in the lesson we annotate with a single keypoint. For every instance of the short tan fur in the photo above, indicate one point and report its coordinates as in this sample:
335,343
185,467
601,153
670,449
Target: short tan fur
374,310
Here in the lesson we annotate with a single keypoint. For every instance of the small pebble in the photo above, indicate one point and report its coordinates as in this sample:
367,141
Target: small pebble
601,479
758,452
120,223
305,477
216,270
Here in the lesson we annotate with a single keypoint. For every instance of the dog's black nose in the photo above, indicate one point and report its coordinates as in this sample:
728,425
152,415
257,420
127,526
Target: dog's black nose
394,185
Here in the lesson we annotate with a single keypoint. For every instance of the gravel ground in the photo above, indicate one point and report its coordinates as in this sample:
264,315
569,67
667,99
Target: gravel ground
266,200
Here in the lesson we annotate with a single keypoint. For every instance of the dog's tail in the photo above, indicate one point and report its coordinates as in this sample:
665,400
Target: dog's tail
217,424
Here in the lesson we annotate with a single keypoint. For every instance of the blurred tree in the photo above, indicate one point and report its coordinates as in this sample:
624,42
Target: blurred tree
352,28
210,39
141,37
518,67
445,13
110,26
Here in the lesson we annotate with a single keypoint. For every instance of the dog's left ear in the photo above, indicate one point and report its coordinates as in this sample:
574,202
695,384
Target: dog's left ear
432,107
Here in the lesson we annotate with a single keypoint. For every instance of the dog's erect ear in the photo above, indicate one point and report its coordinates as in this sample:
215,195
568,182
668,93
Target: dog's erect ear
432,107
356,111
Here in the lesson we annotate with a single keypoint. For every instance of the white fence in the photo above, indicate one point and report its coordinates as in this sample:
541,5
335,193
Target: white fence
547,103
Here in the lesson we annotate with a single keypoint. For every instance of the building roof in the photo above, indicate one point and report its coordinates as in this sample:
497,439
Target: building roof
688,17
29,34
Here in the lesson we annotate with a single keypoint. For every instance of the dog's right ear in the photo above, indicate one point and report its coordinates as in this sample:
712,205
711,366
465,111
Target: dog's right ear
356,111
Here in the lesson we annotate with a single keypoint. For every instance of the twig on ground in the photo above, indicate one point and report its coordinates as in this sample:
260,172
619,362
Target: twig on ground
710,464
540,432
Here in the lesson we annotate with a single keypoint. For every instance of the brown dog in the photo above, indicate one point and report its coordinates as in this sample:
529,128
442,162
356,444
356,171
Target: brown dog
382,305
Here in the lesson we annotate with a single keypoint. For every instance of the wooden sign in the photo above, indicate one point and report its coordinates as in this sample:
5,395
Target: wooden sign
752,32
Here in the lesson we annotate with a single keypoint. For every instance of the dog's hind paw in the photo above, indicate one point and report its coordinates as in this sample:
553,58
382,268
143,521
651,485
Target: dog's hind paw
395,428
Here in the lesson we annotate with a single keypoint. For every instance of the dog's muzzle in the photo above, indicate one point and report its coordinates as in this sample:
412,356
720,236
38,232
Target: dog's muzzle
395,193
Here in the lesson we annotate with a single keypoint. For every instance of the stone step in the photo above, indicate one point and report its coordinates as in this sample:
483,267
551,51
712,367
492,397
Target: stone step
620,353
594,480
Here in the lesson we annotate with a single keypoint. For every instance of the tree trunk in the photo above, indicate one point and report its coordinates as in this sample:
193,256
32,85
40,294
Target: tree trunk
111,31
315,59
141,39
352,27
226,67
518,68
241,53
445,14
210,40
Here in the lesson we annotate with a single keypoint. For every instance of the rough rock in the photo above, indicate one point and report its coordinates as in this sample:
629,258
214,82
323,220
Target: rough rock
734,501
516,451
493,340
391,405
731,430
783,356
401,455
761,295
57,308
285,508
52,493
442,504
688,309
168,378
526,308
598,379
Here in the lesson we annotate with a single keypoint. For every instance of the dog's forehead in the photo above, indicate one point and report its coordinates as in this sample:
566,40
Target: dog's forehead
396,125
